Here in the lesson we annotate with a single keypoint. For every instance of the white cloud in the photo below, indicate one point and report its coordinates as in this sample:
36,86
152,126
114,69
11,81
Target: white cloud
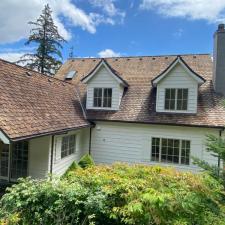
108,53
108,6
11,56
15,15
212,11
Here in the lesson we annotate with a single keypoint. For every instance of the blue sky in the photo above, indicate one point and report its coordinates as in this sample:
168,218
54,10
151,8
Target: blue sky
116,27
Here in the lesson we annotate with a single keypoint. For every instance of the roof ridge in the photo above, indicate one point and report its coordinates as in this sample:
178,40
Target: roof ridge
33,71
139,56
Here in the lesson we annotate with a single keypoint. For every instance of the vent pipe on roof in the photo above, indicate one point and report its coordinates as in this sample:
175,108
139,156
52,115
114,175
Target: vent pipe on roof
219,60
70,75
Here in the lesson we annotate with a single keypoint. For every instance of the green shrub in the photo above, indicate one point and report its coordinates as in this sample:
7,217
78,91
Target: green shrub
74,166
86,161
117,195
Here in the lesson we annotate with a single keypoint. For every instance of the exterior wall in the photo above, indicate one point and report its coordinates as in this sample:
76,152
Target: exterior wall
131,143
178,78
82,147
103,79
38,161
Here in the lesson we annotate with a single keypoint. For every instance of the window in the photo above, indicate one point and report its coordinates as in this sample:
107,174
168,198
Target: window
176,99
68,145
103,97
171,151
19,159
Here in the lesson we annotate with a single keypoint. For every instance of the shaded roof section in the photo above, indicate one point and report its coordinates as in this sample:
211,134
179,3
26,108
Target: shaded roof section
180,60
139,100
32,104
103,62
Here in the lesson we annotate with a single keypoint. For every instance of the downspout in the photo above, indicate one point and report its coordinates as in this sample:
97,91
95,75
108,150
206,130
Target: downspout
219,159
52,152
9,161
90,136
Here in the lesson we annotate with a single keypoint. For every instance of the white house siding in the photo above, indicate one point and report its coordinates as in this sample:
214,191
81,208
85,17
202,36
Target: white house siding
103,79
178,77
131,143
82,147
38,161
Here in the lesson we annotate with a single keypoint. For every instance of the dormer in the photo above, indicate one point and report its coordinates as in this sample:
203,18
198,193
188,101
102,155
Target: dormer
177,88
105,87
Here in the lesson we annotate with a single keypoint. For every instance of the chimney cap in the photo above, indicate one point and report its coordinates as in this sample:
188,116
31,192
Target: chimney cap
221,26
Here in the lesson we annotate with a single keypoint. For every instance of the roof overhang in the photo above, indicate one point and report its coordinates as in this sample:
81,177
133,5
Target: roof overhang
111,71
180,61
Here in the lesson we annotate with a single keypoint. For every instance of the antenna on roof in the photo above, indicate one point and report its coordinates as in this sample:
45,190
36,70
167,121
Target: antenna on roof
70,75
71,55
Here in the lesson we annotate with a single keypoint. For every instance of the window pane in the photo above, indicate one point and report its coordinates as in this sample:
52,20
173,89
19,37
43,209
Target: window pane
170,99
182,99
19,159
68,145
172,93
185,152
97,97
72,144
170,150
155,149
107,97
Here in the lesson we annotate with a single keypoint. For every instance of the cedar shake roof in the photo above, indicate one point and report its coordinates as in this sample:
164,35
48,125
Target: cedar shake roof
33,104
139,100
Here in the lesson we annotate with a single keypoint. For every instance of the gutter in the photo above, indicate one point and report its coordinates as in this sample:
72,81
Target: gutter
155,123
48,133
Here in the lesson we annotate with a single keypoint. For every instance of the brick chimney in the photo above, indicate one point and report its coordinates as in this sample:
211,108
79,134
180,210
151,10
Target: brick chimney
219,60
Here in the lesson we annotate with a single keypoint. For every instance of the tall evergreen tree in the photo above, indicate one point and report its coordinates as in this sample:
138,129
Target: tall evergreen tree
47,57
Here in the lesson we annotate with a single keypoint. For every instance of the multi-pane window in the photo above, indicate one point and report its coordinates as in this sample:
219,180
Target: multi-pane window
68,145
170,151
102,97
176,99
19,161
97,97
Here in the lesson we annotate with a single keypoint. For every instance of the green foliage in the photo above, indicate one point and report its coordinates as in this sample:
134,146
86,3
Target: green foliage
86,161
117,195
74,166
216,146
47,57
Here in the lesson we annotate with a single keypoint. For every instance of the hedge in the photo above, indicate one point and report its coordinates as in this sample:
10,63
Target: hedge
116,195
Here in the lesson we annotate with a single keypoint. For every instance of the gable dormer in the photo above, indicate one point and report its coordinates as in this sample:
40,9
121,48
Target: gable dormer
105,87
177,88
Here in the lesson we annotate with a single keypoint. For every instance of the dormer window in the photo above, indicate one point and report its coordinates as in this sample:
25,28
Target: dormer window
102,98
176,99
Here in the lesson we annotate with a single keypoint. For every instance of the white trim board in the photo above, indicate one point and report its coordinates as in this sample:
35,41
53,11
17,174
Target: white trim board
178,61
4,138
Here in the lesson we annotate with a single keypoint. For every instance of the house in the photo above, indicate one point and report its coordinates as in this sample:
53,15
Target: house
151,110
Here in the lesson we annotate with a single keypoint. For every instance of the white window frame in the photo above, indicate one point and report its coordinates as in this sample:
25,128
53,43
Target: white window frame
180,151
102,98
68,153
176,100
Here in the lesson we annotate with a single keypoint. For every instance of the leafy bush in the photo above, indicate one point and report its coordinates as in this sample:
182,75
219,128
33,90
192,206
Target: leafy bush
86,161
117,195
74,166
